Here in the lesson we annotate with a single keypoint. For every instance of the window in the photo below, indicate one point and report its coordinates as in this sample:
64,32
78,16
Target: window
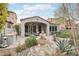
50,28
68,27
53,28
8,25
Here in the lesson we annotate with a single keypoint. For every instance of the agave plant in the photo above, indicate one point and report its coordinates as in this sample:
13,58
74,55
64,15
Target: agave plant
65,47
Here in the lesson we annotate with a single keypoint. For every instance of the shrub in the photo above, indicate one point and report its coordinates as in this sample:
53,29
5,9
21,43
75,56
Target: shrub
63,34
31,41
20,48
17,29
53,33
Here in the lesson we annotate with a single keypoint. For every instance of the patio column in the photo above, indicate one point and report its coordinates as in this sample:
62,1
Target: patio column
37,29
22,30
47,30
58,28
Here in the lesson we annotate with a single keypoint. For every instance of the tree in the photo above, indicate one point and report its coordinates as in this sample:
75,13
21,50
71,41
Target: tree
70,12
3,14
17,29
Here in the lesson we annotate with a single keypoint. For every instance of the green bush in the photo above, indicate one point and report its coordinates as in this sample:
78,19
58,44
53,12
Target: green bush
53,33
31,41
17,29
63,34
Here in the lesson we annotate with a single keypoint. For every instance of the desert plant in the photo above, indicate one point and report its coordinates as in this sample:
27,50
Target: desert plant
17,29
31,41
20,48
65,47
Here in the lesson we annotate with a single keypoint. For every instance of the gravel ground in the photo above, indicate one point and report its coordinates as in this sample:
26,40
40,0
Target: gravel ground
48,49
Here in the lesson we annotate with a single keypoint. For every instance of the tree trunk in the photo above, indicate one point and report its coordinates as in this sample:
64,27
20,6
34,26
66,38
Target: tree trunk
74,36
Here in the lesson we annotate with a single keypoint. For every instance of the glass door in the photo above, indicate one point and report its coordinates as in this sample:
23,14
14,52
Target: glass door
39,28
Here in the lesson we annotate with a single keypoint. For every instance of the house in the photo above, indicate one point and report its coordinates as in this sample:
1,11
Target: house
9,30
61,23
35,25
54,26
11,21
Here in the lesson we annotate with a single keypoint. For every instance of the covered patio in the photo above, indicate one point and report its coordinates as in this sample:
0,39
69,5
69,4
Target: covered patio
34,25
34,28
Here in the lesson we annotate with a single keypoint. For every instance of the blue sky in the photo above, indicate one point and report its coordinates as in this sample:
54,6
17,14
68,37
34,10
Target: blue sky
24,10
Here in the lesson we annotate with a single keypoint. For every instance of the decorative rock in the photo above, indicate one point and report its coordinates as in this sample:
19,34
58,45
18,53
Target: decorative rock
42,39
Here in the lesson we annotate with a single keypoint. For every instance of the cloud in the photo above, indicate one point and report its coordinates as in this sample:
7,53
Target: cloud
34,10
37,7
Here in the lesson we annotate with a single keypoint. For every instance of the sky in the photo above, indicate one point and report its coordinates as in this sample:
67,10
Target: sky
24,10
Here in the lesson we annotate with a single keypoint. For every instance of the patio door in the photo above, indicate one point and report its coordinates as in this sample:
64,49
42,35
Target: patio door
33,29
39,28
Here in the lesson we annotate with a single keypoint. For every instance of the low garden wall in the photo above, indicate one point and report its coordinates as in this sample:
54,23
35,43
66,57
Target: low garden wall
7,52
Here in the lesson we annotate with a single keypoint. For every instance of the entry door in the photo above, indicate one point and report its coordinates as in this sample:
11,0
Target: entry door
39,29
